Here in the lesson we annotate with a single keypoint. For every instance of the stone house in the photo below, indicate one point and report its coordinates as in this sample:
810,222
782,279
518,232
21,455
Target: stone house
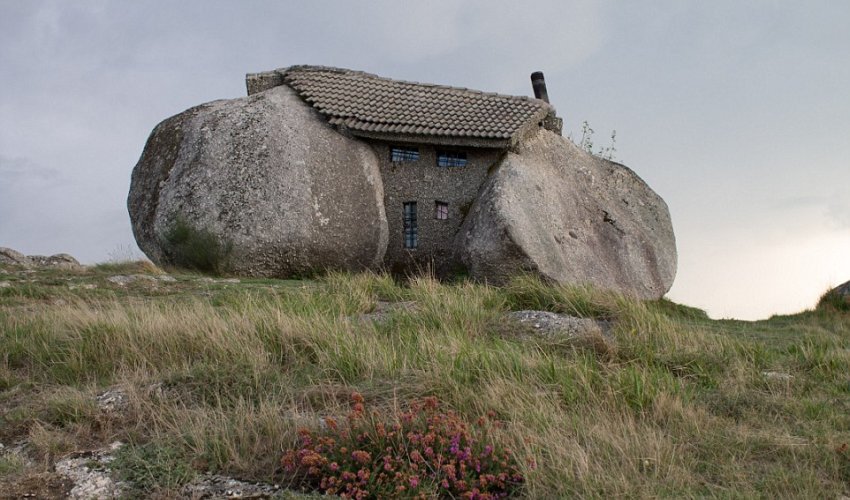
435,146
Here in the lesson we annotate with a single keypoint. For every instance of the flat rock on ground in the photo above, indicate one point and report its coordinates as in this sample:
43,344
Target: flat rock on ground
549,324
214,486
564,330
89,473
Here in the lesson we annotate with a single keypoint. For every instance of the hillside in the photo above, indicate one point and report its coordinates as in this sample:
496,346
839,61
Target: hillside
199,376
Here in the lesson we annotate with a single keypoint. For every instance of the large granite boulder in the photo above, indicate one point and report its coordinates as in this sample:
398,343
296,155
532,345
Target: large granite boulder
257,186
553,209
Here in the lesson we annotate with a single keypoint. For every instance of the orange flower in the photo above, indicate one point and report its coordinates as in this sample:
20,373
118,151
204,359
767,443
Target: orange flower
331,423
361,457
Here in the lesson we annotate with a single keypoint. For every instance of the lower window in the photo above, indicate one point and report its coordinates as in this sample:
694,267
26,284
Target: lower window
411,226
441,210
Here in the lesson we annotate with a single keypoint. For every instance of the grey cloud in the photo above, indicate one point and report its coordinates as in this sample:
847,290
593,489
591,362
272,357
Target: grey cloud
838,209
16,170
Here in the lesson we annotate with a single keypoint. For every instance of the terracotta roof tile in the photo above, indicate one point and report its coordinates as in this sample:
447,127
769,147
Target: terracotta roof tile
366,102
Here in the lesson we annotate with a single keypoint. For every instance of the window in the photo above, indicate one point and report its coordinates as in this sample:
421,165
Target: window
441,210
398,154
451,159
411,227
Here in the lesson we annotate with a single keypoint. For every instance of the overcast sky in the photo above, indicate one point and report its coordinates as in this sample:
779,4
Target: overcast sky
736,113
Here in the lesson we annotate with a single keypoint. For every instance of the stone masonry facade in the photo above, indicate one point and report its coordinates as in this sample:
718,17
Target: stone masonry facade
424,182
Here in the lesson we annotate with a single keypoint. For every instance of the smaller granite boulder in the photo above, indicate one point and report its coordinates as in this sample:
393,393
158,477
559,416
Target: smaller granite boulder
553,209
58,261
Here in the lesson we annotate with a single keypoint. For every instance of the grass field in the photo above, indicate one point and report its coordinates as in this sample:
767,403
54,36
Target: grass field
220,376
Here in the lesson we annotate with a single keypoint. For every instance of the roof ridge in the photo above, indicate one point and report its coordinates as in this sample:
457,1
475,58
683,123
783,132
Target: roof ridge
284,72
380,107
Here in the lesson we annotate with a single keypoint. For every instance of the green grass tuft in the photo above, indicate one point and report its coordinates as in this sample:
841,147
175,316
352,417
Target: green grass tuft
152,467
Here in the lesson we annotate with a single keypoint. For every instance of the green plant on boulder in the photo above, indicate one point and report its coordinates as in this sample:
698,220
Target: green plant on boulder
198,249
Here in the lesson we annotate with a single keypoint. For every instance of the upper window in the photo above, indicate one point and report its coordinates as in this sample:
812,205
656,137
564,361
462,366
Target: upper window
441,210
398,154
451,159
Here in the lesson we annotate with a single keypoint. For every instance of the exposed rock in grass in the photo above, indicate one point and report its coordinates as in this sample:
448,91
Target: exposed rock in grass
123,280
5,284
83,286
211,486
383,310
563,329
770,375
12,257
89,472
58,261
550,324
112,400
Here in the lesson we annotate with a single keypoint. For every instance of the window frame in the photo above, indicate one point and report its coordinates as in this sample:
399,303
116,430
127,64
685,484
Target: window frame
448,158
410,225
441,208
404,154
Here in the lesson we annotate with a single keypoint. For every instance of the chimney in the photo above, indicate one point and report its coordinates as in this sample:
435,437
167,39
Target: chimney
539,85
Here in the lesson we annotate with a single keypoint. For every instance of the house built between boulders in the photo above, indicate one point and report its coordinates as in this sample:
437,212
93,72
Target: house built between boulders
328,168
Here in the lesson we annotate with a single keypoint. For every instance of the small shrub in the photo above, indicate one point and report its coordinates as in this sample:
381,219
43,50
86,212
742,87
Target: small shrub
586,142
426,453
151,467
11,463
834,301
198,249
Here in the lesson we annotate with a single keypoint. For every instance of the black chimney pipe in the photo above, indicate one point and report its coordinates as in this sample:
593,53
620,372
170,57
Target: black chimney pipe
539,85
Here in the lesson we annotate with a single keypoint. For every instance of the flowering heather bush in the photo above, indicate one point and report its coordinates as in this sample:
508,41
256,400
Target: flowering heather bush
426,453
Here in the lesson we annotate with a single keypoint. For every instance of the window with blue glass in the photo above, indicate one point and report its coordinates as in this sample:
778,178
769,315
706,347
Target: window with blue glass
441,210
411,225
451,158
399,154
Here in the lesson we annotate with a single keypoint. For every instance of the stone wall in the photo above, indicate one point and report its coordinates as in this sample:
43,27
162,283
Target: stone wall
259,82
425,183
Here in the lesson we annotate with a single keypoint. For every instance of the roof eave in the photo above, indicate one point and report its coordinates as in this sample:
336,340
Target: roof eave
439,140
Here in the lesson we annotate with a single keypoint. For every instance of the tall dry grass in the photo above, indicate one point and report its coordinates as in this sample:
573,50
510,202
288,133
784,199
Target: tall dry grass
681,406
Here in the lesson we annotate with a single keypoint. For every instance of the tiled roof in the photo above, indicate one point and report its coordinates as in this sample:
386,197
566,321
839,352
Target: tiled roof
373,105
